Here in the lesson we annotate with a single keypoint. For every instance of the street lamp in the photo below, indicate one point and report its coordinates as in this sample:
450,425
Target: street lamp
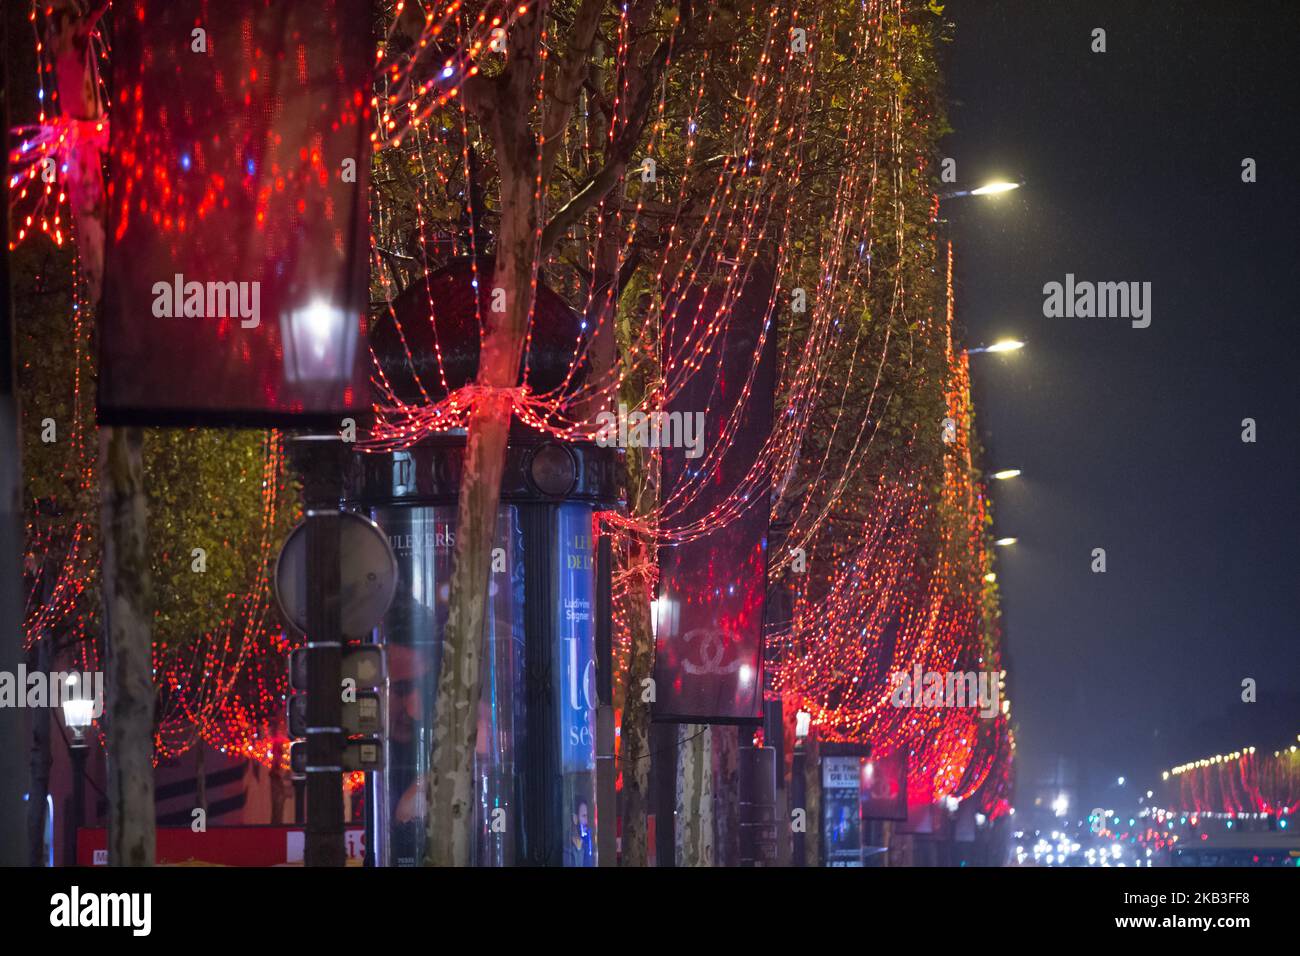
802,723
78,715
1004,542
1005,345
988,189
799,781
320,341
993,188
1007,473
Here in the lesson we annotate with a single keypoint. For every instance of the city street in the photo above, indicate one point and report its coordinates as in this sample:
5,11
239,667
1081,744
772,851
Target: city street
773,435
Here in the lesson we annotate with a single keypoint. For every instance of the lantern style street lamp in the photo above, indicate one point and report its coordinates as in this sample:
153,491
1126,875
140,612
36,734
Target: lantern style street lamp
78,715
319,344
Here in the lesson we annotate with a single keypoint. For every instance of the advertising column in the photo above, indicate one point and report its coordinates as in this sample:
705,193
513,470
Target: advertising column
841,810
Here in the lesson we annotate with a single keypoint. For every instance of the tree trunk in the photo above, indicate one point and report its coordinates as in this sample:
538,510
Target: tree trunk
200,781
813,800
280,788
726,795
634,734
79,100
503,105
128,607
460,681
694,828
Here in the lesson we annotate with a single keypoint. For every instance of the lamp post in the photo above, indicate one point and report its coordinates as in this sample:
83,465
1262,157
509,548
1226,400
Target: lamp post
799,786
319,459
78,715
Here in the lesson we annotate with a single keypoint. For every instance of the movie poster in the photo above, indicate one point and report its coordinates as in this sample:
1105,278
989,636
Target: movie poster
841,811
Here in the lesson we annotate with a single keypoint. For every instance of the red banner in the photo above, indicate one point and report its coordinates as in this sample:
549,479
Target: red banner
237,263
220,846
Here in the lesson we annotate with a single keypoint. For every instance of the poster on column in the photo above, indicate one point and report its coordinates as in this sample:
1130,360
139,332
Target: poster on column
423,539
709,611
841,810
575,633
235,288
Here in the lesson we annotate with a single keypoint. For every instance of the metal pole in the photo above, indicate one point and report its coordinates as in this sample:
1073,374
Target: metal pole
78,754
798,800
319,459
13,775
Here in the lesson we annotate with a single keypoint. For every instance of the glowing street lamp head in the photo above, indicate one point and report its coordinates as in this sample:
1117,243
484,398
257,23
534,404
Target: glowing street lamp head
992,189
1006,473
1006,345
1003,542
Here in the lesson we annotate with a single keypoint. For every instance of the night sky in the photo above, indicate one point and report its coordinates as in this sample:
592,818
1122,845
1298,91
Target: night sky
1130,439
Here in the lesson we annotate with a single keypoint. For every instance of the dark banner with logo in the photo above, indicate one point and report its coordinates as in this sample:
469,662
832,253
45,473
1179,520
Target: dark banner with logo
884,788
712,589
236,275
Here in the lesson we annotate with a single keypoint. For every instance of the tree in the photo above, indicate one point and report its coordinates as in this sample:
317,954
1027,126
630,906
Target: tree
524,154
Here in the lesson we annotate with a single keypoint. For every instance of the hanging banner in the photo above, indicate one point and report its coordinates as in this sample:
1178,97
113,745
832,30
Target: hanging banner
710,608
235,288
884,787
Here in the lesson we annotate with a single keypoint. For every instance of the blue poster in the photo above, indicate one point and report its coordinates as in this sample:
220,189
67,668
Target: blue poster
576,671
576,632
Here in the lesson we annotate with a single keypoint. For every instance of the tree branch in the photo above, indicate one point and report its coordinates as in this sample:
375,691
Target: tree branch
564,88
642,81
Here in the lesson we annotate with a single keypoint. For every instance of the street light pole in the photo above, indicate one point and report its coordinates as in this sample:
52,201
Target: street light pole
799,788
77,750
320,459
78,717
